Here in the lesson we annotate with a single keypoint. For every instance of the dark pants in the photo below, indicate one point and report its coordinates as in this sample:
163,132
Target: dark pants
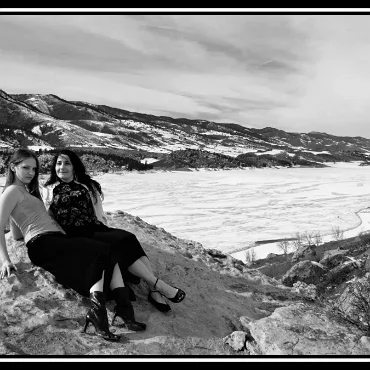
77,262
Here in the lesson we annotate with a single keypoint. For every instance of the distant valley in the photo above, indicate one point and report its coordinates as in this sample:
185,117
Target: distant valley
47,122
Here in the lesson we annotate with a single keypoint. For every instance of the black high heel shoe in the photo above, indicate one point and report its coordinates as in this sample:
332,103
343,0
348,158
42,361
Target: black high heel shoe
132,294
163,307
97,315
125,310
180,295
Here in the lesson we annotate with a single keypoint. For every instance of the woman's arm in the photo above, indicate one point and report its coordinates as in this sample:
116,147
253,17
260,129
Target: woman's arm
99,212
8,201
98,206
47,195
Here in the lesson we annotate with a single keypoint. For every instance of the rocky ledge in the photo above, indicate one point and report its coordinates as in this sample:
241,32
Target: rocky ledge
229,310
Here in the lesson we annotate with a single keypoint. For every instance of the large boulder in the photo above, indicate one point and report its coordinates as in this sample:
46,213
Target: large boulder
367,261
353,303
308,272
340,273
305,253
305,330
333,258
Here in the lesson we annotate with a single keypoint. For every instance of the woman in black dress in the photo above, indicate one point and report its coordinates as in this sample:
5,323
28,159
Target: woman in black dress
74,200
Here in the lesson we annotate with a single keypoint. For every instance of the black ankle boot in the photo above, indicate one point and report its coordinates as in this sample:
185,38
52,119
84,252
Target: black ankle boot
97,315
125,310
132,294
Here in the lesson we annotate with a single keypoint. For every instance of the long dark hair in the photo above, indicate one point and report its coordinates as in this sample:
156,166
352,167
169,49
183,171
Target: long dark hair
80,173
17,157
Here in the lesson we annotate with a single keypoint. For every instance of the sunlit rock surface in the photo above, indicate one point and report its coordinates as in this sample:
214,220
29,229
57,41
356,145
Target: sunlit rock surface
229,310
304,329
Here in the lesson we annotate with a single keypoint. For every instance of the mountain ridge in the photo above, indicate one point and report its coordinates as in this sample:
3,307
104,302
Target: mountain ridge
51,121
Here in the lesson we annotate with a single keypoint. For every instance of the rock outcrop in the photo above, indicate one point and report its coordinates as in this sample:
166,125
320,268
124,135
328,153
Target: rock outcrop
306,271
306,330
333,258
305,253
229,310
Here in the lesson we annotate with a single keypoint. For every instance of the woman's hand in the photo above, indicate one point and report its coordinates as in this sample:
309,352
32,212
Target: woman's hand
6,269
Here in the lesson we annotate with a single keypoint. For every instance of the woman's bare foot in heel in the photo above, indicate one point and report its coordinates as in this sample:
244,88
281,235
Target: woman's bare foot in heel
173,294
157,299
157,296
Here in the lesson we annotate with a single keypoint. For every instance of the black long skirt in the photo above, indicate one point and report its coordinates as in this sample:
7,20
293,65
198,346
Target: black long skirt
78,262
127,244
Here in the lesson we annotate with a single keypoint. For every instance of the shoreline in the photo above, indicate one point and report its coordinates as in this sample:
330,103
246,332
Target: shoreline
352,164
363,226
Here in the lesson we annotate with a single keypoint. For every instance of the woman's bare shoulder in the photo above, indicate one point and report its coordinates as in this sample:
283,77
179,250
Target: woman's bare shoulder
12,190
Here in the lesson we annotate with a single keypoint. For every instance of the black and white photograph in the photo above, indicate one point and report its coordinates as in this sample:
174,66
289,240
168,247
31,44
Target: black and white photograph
184,185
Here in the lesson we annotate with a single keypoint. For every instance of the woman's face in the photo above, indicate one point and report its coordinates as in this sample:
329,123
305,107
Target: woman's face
24,171
64,168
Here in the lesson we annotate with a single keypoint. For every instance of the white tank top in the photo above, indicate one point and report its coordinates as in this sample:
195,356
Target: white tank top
31,216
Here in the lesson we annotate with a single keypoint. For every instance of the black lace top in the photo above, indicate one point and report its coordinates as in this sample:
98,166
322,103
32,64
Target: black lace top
73,209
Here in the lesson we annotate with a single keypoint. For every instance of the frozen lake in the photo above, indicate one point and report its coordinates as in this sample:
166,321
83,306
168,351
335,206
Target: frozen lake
230,210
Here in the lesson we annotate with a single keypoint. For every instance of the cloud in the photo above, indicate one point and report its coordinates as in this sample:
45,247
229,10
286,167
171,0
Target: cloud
294,72
70,46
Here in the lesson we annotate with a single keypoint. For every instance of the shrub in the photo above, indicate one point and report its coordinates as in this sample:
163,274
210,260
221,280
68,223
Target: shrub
45,162
3,165
337,233
93,162
297,241
365,238
250,256
284,246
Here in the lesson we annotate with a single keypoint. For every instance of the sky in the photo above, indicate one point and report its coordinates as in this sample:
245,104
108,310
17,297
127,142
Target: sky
294,72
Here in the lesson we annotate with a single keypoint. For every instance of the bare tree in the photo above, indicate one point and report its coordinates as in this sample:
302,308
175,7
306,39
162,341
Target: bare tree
308,237
250,256
284,246
337,233
253,255
317,237
297,241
